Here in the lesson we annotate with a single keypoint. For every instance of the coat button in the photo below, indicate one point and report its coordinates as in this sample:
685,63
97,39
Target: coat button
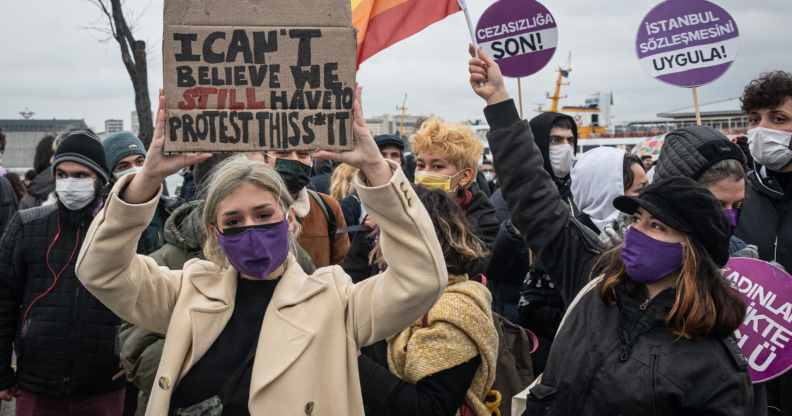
164,383
309,407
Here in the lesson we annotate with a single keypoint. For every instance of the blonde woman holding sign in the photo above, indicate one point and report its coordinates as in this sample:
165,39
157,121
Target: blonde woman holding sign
248,331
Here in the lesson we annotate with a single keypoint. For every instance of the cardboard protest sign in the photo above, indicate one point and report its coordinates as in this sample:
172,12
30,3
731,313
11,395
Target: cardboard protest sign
765,334
687,43
521,35
258,75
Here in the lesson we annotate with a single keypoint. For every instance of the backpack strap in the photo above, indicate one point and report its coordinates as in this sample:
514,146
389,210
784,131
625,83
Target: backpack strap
583,292
332,223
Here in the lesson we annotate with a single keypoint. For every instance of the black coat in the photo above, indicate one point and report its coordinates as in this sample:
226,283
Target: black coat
766,222
607,359
766,217
66,341
566,247
481,215
8,203
621,359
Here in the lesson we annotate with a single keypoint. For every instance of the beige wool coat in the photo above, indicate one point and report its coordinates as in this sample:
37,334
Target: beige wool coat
306,359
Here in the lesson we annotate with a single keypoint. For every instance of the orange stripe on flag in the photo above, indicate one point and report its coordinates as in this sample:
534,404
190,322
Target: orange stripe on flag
382,6
402,19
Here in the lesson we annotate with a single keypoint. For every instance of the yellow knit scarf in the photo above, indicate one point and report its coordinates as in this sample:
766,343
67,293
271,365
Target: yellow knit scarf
457,328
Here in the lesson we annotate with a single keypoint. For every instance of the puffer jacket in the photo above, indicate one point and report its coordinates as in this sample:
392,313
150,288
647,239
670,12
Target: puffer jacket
184,236
64,338
621,359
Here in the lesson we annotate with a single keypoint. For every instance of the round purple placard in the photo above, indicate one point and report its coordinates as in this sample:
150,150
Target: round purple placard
765,336
687,43
521,35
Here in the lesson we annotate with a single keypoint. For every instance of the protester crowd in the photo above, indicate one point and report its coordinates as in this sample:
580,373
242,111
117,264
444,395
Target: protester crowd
404,277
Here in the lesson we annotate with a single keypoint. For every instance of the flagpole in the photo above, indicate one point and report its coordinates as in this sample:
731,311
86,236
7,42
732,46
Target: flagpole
463,6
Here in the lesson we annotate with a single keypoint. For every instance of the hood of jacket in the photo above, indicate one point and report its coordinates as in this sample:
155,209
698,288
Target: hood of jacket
765,182
42,185
540,127
598,179
184,228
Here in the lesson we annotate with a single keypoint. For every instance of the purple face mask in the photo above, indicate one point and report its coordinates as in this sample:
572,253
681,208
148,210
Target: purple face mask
733,214
257,250
647,260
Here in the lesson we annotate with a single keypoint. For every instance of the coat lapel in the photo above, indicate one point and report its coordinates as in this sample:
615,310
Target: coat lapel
285,332
210,316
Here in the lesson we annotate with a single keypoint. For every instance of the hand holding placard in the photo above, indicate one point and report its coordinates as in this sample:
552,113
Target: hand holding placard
158,165
365,155
486,78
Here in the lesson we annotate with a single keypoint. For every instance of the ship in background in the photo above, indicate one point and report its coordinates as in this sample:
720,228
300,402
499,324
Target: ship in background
596,126
593,117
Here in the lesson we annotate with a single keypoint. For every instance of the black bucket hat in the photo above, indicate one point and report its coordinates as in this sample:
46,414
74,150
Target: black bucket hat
688,207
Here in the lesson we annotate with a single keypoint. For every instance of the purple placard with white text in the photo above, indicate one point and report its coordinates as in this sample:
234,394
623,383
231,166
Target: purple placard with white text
687,43
765,336
521,35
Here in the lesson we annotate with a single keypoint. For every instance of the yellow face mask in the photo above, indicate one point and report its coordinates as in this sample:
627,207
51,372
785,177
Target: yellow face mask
439,182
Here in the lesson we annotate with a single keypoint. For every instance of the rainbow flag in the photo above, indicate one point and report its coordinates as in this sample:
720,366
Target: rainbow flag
381,23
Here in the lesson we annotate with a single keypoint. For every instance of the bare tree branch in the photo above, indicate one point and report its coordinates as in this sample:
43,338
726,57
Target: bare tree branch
134,57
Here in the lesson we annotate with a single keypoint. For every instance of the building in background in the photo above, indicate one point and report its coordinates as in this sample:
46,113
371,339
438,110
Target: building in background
23,135
395,124
114,125
725,116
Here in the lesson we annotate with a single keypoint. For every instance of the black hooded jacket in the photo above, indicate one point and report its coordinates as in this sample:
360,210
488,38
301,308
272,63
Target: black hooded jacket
541,308
540,127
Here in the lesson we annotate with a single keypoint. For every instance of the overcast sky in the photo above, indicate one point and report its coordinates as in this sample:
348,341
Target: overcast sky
55,67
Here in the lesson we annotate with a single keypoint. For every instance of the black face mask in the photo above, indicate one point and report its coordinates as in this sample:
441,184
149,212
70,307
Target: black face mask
295,175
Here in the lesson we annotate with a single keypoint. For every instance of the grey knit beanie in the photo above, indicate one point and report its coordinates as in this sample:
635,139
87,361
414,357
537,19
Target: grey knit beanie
690,151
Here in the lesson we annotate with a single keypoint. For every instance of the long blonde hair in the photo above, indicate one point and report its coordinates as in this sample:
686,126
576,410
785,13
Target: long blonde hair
341,181
224,180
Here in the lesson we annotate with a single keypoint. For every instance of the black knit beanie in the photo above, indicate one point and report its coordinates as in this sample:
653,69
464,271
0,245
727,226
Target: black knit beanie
83,147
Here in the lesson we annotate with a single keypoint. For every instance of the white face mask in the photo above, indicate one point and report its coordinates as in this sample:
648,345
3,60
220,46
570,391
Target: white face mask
133,169
770,147
75,194
561,158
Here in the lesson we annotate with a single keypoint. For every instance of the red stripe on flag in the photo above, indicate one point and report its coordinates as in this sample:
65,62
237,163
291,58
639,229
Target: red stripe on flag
401,22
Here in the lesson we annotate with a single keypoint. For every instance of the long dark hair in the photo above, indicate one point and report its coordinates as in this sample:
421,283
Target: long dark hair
462,249
44,153
704,305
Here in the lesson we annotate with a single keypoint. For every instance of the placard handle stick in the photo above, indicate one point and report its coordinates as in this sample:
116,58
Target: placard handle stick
696,107
520,96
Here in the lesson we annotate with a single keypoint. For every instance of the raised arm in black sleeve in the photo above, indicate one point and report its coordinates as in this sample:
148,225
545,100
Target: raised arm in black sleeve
566,249
11,290
441,394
